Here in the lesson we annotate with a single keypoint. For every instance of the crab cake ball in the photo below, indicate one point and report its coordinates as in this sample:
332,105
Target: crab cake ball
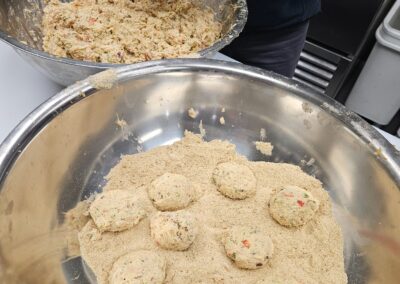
234,180
248,247
116,211
173,230
138,267
171,192
293,206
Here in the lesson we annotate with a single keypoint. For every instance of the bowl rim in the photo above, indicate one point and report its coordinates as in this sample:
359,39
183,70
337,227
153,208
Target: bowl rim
236,28
22,134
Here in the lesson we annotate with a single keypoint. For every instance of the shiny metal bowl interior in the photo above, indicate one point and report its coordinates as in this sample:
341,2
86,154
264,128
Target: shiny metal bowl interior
20,26
61,152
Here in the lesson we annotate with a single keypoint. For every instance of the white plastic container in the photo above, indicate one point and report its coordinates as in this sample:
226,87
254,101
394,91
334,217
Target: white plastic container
376,94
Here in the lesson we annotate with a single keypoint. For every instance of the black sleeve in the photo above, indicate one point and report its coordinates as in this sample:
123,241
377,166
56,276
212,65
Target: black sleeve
270,14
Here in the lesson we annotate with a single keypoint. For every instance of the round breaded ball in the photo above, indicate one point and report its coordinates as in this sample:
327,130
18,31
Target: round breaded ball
293,206
248,247
171,192
173,230
234,180
116,210
138,267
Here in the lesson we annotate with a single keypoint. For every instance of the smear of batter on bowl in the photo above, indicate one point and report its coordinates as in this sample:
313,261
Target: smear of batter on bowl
310,162
212,248
264,148
192,113
222,120
202,129
125,31
307,107
263,134
104,80
121,122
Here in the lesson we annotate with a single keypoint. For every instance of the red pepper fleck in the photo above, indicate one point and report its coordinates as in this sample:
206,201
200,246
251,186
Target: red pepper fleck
301,203
147,57
246,243
92,20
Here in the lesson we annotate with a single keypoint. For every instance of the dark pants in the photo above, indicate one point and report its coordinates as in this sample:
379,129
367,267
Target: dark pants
274,50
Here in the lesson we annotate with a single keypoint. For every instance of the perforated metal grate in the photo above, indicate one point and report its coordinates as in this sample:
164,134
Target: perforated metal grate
314,71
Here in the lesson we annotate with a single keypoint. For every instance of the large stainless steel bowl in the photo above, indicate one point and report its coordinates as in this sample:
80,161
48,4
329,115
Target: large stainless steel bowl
60,153
20,26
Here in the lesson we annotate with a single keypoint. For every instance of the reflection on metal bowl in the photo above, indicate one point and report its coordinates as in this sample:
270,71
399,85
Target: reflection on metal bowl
20,26
61,152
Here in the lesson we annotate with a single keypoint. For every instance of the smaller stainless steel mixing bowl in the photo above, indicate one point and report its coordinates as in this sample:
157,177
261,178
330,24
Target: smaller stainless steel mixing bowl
20,26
